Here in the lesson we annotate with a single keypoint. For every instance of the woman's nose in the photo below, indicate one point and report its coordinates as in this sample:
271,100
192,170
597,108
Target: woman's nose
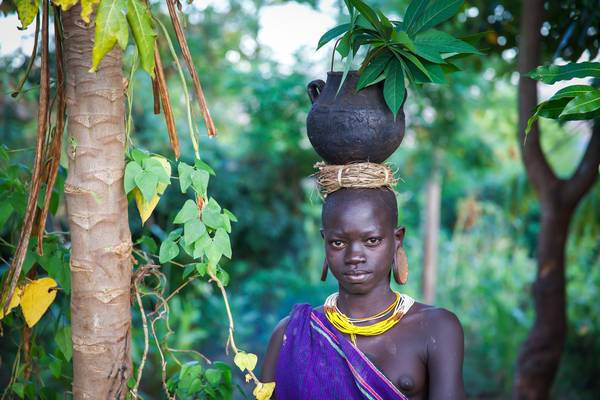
355,254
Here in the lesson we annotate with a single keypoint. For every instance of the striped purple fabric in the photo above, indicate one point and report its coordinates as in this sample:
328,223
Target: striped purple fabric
317,362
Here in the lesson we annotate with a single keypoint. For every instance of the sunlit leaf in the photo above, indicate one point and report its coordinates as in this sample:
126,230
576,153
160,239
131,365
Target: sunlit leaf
264,391
140,21
144,207
65,4
111,27
14,301
26,10
572,91
554,73
37,296
87,7
245,361
583,104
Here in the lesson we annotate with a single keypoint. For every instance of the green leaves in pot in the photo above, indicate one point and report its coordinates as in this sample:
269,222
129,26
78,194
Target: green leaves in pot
399,51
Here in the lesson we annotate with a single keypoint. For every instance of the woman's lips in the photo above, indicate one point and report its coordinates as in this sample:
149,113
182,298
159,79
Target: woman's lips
356,276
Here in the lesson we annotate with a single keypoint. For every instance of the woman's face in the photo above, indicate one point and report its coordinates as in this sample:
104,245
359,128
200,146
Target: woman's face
360,242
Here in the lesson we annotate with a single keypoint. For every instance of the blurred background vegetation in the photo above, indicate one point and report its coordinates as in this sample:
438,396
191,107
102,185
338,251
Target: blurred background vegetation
466,131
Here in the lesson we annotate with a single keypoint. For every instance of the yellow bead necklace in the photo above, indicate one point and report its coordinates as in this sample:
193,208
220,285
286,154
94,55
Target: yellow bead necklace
345,324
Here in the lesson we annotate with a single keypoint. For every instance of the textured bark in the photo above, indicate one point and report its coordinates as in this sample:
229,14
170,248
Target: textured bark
97,213
431,235
540,353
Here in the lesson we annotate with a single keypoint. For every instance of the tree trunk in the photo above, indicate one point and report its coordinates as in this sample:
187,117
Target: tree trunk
97,213
540,353
431,234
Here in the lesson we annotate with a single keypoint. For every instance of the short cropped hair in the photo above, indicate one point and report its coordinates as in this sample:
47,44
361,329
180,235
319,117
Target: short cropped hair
383,196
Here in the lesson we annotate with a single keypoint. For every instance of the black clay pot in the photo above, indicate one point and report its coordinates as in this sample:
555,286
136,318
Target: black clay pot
352,126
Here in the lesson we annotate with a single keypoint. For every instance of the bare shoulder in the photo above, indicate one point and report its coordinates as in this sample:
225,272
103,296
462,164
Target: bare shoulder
272,354
436,316
280,328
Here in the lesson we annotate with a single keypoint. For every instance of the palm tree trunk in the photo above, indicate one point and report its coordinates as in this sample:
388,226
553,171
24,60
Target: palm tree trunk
97,213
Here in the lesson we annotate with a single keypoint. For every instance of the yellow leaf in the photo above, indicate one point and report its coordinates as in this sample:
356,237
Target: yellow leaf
87,7
65,4
37,297
264,391
14,302
248,378
245,360
145,208
27,10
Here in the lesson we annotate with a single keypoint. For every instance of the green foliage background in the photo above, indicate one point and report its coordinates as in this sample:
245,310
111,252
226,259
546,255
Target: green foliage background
466,130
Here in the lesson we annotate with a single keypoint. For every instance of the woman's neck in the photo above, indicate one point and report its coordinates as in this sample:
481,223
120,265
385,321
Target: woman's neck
365,305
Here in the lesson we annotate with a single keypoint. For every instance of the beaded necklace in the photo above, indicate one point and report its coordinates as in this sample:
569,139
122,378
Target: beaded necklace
345,324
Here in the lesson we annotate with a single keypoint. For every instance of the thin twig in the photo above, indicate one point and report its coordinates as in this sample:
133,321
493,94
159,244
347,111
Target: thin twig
30,212
55,145
156,95
162,358
183,85
130,100
230,339
191,352
146,345
190,279
210,126
161,82
16,92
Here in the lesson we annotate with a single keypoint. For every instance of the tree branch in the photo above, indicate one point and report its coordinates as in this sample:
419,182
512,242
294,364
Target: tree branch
538,170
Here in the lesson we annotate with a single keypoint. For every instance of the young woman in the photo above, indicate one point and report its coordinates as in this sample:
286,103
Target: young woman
367,341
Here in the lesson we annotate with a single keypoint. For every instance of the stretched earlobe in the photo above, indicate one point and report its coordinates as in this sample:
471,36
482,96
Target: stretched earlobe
324,270
400,266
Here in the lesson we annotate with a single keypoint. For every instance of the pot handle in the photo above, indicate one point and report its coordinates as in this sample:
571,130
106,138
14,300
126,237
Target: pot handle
314,89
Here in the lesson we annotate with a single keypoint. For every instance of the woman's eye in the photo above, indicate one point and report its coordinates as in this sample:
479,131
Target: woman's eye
373,241
337,243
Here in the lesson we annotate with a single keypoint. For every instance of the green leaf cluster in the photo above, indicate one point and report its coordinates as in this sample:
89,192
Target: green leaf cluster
399,51
193,380
113,20
575,102
205,226
146,173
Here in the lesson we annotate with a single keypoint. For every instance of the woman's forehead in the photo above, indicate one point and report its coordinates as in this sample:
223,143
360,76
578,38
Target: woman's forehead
360,215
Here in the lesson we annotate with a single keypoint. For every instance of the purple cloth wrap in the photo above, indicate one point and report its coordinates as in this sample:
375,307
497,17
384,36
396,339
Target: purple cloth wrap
317,362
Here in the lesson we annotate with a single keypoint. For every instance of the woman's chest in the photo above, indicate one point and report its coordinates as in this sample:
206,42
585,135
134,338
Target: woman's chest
401,358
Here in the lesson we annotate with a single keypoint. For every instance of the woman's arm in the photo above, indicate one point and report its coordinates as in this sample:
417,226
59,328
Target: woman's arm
270,364
445,357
